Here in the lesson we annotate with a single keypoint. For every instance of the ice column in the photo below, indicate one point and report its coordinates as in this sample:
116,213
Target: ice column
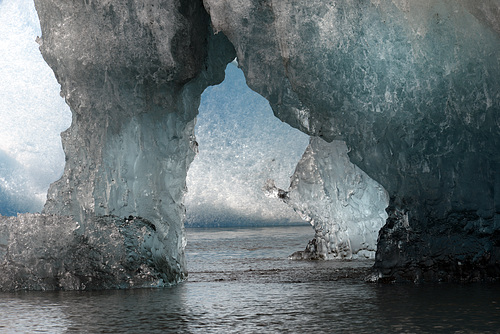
132,73
343,204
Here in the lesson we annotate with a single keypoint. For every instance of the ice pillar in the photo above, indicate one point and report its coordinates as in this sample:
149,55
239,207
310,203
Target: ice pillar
132,73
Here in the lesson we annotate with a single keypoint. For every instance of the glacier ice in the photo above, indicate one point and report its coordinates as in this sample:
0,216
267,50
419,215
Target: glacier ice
132,75
343,204
413,88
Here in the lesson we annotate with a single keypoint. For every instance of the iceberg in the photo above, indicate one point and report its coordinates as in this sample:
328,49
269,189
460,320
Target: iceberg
132,76
411,88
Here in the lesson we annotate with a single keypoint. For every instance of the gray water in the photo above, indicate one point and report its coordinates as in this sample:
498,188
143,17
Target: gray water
241,281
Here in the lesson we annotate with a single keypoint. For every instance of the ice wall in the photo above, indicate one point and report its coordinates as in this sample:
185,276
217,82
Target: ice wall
241,145
413,89
343,204
32,114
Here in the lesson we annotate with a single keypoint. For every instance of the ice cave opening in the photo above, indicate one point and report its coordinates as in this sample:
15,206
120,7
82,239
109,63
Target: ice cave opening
253,169
241,145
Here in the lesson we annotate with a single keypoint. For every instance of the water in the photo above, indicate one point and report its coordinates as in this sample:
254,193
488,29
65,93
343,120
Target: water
241,282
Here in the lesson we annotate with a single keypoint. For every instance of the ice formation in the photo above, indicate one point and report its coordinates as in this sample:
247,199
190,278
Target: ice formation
343,204
132,75
241,144
52,252
412,88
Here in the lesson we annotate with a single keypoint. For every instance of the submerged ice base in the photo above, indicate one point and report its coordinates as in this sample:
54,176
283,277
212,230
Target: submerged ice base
51,252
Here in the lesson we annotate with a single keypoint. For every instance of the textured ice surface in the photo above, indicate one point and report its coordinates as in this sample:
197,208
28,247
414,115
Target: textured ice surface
412,87
32,114
53,252
132,74
241,144
343,204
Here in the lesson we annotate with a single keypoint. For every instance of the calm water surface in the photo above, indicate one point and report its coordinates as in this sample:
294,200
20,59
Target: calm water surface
241,282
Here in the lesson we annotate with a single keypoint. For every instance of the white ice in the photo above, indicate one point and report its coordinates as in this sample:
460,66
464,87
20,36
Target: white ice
32,114
241,145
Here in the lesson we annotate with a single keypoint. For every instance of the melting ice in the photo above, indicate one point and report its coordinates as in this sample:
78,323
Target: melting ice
241,146
343,204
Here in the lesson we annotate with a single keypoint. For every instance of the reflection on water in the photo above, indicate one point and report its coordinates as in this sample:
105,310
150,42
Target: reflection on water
257,298
30,313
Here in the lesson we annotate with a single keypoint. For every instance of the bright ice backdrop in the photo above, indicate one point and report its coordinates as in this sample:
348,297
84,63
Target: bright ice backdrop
241,145
32,114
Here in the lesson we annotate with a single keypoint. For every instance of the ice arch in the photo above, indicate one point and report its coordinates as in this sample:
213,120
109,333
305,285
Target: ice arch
413,89
242,147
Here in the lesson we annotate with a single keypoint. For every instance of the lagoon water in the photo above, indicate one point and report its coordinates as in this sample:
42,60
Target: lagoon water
241,281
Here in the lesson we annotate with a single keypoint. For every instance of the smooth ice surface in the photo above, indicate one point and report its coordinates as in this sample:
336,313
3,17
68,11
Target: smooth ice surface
32,113
343,204
241,145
